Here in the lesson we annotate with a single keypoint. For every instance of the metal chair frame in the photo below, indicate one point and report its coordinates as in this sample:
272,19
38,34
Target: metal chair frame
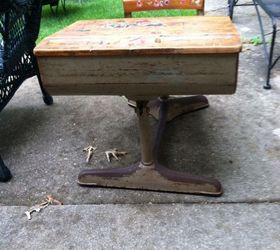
268,50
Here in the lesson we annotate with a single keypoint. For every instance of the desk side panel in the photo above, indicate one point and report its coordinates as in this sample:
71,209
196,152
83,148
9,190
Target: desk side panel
141,75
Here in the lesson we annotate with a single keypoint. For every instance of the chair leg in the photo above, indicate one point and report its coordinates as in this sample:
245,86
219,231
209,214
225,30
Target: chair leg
63,5
48,100
54,12
231,4
5,174
268,52
270,63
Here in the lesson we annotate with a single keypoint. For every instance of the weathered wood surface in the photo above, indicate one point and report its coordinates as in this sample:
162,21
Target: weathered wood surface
142,57
143,36
157,75
144,5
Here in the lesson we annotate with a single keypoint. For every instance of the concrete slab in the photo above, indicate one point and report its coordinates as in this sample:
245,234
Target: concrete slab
235,226
233,140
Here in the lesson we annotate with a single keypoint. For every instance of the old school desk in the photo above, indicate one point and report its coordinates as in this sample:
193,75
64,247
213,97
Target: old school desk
144,59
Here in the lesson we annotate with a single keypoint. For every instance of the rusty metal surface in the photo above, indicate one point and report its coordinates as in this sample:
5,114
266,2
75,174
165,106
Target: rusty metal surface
178,106
153,176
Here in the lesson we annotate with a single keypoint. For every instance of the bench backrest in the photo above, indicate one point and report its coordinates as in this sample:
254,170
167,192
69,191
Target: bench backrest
144,5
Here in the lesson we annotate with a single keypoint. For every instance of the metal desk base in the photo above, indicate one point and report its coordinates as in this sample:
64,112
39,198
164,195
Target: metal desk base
149,174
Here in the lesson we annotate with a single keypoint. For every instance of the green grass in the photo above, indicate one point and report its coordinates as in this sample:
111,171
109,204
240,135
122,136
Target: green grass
92,9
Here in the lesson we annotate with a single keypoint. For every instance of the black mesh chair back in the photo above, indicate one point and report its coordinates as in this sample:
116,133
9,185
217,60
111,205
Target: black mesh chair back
19,28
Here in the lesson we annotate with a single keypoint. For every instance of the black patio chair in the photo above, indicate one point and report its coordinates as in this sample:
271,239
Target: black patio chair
19,28
272,9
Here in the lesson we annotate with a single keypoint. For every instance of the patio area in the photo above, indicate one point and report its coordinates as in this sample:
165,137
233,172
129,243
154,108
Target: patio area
234,140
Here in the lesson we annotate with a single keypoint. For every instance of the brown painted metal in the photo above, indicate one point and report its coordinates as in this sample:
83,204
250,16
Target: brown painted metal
149,174
178,106
154,177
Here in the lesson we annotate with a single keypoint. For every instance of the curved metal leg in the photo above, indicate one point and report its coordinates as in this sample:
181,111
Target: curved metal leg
178,106
63,5
148,174
48,100
268,52
56,9
270,58
231,4
5,174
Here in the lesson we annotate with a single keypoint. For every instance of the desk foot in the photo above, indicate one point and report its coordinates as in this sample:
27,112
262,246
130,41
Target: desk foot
154,177
148,174
178,106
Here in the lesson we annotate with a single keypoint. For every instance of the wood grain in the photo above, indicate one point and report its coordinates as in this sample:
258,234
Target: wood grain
144,5
143,36
144,57
139,76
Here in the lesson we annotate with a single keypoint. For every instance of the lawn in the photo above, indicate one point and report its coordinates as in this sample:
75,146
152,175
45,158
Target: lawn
92,9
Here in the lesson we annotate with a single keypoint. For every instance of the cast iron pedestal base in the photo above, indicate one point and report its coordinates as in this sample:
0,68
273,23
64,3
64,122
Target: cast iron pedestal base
154,177
148,174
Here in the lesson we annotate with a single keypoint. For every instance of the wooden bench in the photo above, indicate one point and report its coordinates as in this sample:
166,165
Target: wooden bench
142,59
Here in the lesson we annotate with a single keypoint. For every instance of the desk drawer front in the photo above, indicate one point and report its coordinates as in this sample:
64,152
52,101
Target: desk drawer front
140,75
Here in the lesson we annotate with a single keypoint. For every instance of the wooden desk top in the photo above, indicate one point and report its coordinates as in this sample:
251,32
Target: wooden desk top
143,36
